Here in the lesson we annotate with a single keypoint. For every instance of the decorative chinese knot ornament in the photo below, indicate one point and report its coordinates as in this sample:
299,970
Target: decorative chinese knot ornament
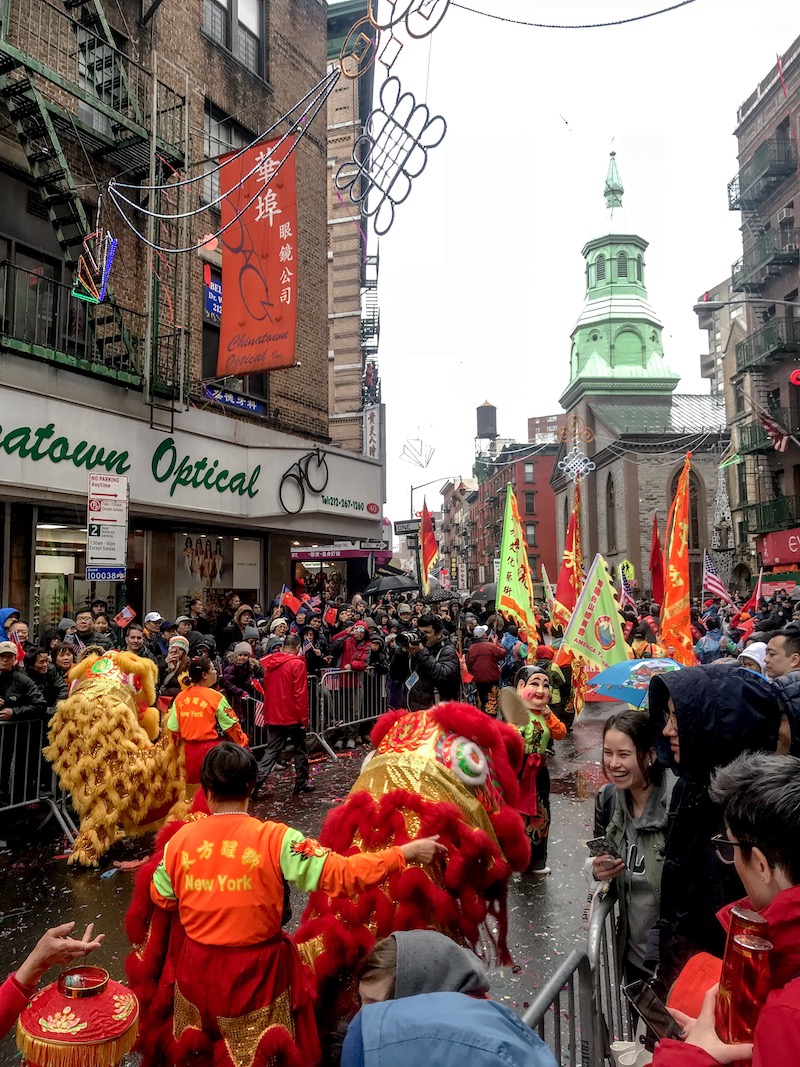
82,1020
576,464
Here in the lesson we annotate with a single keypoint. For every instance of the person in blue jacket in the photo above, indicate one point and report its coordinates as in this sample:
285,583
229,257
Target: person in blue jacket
442,1030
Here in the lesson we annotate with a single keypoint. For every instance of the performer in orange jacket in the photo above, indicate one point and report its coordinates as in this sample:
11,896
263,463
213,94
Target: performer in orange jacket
241,993
197,712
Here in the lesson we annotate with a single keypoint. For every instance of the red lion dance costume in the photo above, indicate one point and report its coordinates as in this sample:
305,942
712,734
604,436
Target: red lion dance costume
450,771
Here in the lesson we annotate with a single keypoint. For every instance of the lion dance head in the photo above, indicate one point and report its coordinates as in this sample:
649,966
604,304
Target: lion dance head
101,749
449,771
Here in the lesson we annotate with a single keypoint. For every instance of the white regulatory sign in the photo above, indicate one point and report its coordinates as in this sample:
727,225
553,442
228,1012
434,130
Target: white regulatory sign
107,525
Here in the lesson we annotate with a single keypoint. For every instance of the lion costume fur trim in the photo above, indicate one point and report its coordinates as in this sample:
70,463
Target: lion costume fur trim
105,759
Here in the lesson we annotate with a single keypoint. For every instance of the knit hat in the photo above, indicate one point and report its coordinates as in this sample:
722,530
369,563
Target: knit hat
251,634
179,642
242,649
273,626
756,651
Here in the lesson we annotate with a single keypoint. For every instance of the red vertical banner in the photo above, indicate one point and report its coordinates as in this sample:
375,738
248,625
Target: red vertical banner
259,259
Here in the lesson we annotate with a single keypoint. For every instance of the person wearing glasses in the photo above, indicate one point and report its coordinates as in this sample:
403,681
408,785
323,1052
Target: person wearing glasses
760,795
703,718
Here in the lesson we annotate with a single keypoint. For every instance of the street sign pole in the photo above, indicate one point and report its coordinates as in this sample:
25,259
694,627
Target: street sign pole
107,528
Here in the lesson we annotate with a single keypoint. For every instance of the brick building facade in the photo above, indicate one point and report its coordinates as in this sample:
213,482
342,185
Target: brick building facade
528,471
89,93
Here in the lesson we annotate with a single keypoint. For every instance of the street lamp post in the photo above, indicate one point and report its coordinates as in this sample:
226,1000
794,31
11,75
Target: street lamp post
717,305
414,488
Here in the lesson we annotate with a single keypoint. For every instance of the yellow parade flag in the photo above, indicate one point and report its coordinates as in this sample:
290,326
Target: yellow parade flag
676,629
514,597
594,633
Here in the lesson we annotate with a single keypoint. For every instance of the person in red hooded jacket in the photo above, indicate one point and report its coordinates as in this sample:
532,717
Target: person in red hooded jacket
761,797
285,688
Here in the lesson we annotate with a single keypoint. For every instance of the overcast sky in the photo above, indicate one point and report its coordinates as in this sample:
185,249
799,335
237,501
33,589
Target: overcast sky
481,275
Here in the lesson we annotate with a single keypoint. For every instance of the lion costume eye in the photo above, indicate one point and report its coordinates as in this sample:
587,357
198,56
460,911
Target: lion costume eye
468,762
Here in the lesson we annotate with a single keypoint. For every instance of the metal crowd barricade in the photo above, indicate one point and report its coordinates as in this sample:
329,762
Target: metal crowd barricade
602,949
564,1014
349,699
25,776
256,729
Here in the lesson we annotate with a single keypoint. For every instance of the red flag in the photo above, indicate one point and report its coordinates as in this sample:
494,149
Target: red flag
330,616
290,601
570,577
429,547
656,564
751,607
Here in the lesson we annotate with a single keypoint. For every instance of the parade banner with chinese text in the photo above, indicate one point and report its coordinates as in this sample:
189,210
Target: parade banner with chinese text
570,577
259,259
676,634
514,597
595,632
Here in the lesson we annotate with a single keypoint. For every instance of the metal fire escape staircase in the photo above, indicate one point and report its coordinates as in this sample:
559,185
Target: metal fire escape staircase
370,328
42,45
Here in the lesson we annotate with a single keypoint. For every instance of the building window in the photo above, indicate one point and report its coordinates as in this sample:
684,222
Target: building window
530,534
220,135
741,479
639,269
237,25
622,265
528,473
600,268
530,503
248,42
611,515
533,563
216,21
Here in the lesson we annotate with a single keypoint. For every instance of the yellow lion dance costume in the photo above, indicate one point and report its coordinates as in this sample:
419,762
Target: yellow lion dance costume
100,748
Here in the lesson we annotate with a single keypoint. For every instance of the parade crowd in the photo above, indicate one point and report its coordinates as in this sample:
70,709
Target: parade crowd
702,802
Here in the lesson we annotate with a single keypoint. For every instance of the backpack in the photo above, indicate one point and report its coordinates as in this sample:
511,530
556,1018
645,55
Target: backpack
709,652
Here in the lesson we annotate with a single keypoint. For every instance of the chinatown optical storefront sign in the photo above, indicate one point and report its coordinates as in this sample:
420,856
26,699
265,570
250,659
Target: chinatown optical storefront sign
40,448
259,259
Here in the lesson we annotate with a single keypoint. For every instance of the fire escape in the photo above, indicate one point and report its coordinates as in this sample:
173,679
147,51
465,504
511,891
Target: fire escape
370,333
65,81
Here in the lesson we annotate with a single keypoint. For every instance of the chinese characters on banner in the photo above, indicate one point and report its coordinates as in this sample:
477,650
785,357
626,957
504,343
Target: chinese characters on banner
259,260
372,434
676,634
595,628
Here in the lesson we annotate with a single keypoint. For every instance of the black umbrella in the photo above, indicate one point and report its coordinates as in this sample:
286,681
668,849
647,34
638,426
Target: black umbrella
390,583
484,593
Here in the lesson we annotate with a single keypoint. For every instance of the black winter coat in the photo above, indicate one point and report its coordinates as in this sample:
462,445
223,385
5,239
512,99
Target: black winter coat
721,713
51,684
787,690
22,696
439,672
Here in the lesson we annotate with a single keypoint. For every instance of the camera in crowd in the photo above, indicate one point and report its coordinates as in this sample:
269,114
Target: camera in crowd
410,637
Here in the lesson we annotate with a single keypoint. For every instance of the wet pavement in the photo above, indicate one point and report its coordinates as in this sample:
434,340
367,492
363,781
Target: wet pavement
38,890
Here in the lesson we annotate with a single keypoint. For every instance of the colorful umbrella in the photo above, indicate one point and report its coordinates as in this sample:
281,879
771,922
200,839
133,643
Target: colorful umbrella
629,681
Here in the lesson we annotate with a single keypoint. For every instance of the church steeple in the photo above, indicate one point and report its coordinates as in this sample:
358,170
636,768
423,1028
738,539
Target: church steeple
614,188
616,343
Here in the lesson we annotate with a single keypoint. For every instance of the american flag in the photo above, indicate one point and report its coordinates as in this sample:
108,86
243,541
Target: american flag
712,583
258,713
626,593
774,431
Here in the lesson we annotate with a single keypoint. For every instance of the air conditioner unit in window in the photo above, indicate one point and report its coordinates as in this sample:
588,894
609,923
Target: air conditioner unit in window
786,214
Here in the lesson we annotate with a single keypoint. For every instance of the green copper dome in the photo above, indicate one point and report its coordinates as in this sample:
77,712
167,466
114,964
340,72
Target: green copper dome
616,343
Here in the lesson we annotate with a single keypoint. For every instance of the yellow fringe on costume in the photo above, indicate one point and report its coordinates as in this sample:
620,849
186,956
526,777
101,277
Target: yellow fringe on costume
105,759
37,1053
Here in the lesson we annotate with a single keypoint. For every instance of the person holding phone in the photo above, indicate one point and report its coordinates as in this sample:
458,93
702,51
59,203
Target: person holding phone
760,796
631,819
